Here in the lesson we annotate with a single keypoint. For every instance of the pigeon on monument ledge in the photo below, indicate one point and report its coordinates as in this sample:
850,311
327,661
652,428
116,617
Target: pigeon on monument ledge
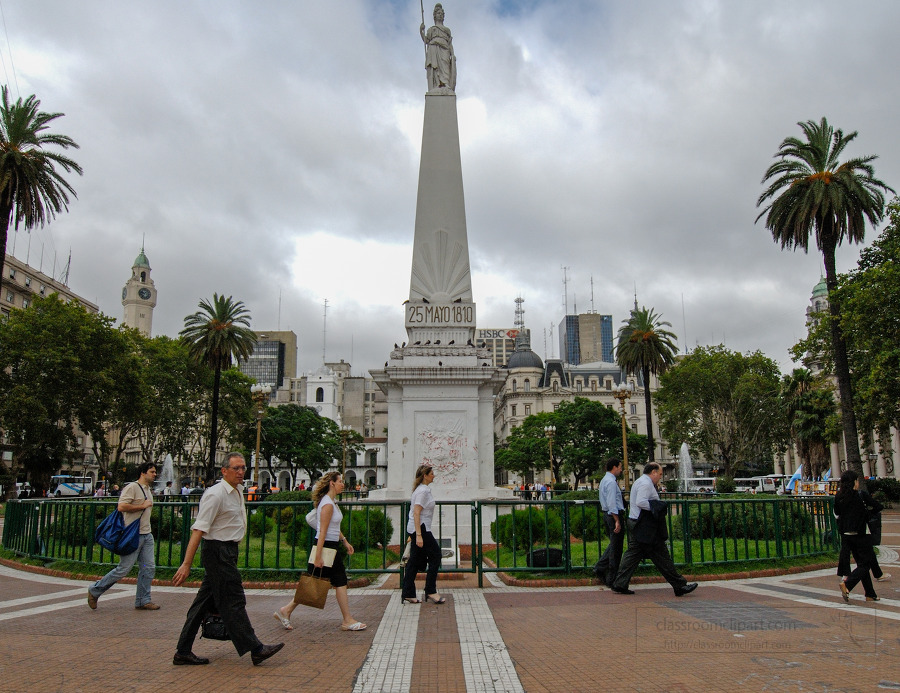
428,342
459,300
469,343
437,341
452,341
440,363
395,345
403,345
425,300
417,343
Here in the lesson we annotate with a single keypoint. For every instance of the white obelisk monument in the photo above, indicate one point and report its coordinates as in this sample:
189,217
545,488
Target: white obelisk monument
440,386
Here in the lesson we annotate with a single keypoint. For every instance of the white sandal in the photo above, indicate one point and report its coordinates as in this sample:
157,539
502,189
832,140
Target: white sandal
355,626
286,622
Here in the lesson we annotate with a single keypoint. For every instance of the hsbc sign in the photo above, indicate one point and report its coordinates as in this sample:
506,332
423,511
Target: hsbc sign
498,334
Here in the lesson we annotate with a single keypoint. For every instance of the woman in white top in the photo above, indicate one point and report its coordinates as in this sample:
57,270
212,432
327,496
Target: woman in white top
424,547
328,536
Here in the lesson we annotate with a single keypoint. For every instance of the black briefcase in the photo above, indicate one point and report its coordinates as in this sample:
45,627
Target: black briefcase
213,628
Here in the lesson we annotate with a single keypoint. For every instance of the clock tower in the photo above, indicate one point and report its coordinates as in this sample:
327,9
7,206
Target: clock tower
139,296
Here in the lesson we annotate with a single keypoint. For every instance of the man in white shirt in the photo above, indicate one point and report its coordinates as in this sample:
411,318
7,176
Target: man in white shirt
221,524
643,491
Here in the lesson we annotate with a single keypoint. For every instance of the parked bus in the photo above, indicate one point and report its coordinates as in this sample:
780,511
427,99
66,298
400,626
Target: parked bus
65,485
755,484
697,484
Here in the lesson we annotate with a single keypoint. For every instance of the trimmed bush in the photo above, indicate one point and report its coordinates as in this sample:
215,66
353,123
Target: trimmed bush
585,519
260,524
367,529
888,487
725,484
165,523
72,524
745,520
529,527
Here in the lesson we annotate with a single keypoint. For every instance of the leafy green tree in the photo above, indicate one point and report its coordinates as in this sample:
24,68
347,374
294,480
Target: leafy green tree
870,318
32,189
302,439
215,334
811,190
647,348
588,434
725,404
61,370
813,419
527,448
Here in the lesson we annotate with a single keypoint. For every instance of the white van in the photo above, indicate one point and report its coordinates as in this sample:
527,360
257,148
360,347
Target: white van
65,485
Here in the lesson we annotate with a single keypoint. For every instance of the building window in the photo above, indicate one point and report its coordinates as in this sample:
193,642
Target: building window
556,386
527,410
43,289
634,409
556,407
10,296
593,385
578,385
12,273
512,410
608,384
320,394
27,281
634,428
527,385
25,302
515,386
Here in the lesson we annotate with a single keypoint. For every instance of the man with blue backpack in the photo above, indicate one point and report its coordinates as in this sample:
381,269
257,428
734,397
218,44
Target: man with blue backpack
135,504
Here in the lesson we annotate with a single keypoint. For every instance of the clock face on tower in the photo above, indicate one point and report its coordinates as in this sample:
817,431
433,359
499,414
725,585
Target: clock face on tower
144,294
124,293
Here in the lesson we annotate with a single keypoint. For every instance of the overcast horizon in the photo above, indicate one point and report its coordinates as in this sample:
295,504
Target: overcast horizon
270,152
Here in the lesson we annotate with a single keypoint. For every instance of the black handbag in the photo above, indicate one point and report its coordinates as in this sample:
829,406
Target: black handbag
213,628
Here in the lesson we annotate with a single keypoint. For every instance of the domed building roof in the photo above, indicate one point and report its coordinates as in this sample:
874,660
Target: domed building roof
820,290
141,260
523,356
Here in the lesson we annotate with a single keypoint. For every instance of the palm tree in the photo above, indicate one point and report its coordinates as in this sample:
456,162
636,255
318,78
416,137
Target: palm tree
811,414
217,332
645,347
32,191
811,190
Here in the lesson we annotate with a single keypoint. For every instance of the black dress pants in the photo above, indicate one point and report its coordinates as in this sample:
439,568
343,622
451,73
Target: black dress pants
609,561
221,592
658,553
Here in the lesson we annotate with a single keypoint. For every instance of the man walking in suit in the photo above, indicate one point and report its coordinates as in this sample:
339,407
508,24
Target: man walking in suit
647,535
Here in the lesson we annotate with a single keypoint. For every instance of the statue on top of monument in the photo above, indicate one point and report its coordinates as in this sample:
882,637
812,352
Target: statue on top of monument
440,62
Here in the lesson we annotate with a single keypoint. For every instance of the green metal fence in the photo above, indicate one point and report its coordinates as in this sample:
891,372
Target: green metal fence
553,536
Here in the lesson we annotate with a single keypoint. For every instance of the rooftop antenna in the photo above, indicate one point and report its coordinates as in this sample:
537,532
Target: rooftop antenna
592,294
552,350
635,298
64,278
565,289
575,303
519,321
278,322
324,329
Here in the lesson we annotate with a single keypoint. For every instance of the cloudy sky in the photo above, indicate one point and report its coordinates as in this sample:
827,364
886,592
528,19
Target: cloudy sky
270,151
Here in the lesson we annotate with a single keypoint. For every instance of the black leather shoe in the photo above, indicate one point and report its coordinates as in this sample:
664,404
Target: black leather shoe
189,658
622,590
687,589
264,653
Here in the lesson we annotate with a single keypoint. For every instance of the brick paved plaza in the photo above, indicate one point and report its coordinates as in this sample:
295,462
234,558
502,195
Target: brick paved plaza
789,633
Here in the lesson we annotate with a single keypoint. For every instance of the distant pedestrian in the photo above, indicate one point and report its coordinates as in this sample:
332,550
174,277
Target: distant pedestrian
135,503
167,491
648,534
220,525
185,491
100,492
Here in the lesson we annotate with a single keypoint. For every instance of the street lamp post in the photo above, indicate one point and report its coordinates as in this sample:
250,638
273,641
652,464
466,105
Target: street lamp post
550,431
622,393
260,394
345,433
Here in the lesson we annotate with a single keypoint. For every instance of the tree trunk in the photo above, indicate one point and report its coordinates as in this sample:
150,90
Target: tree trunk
214,429
4,234
649,408
841,366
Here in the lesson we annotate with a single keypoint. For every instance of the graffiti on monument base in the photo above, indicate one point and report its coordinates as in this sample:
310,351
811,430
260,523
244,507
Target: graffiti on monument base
441,443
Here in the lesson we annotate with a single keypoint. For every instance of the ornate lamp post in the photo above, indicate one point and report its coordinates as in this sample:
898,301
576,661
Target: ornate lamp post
345,433
550,431
260,394
622,393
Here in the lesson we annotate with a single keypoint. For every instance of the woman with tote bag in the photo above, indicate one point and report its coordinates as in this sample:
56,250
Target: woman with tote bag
322,560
